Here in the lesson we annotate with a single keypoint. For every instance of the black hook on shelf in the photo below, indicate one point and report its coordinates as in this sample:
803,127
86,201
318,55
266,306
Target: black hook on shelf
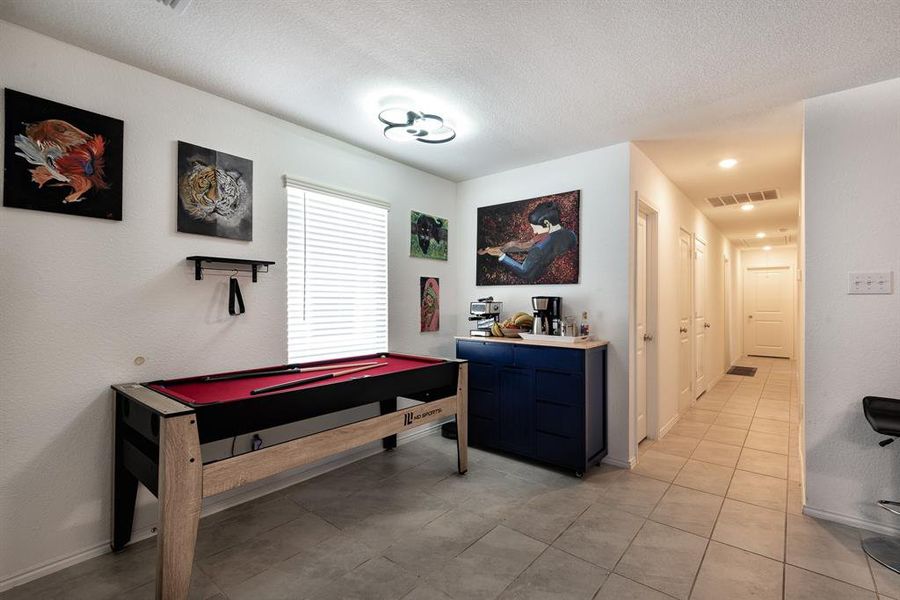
235,298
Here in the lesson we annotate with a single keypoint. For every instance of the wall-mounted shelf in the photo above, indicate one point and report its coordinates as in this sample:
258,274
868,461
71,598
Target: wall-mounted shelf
245,265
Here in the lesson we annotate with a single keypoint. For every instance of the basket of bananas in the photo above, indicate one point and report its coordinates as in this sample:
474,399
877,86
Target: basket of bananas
512,326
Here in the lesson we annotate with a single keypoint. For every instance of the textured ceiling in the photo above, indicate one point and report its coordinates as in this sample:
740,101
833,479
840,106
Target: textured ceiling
768,149
523,81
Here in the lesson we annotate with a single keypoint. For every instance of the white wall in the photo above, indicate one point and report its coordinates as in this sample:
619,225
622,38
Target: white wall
83,297
852,223
676,212
602,177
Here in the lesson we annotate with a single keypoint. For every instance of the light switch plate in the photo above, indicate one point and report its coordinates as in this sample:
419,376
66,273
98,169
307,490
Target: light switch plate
871,283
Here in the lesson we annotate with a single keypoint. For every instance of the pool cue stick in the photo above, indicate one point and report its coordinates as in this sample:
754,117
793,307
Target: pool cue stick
313,379
281,371
344,366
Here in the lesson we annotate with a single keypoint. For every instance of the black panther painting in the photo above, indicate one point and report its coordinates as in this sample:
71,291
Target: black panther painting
428,236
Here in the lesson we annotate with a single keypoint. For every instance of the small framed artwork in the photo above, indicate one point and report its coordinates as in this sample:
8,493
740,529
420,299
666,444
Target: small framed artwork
428,236
430,303
215,193
61,159
532,241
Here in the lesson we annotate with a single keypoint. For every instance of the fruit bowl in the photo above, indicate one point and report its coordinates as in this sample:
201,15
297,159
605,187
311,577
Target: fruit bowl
511,332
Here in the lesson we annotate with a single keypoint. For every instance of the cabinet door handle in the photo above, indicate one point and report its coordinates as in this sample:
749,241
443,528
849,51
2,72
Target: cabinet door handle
707,325
648,337
682,329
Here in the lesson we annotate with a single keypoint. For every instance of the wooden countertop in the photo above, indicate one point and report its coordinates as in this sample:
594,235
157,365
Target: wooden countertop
504,340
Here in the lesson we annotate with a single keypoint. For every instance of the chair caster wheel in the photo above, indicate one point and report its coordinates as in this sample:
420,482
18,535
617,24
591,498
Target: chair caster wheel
579,474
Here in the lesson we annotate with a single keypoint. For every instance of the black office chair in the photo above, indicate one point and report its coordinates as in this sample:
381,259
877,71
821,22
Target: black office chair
883,415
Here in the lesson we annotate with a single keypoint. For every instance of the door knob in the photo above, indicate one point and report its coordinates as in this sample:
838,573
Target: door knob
682,329
749,316
648,337
707,325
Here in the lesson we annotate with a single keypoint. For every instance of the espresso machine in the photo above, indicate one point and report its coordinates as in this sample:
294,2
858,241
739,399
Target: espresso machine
547,311
485,312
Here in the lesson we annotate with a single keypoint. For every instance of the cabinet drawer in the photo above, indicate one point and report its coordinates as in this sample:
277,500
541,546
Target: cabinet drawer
483,432
557,359
565,452
558,419
563,388
485,352
482,376
483,404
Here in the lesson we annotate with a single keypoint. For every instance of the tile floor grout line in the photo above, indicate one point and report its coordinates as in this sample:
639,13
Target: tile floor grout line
519,574
668,595
699,567
638,532
569,526
853,585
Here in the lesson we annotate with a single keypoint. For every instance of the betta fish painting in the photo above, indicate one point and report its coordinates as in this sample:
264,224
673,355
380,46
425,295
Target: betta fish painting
62,159
428,236
532,241
430,303
215,193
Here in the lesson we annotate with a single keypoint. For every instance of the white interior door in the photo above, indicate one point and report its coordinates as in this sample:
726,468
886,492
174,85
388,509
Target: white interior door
768,299
685,371
641,326
701,324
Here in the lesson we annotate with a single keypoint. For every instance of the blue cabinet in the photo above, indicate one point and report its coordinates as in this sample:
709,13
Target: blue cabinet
540,402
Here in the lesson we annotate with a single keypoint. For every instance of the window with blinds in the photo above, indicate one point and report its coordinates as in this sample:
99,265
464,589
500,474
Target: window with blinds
336,273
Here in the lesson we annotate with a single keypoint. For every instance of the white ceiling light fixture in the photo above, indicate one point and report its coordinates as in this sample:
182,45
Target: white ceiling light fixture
728,163
405,125
760,235
747,207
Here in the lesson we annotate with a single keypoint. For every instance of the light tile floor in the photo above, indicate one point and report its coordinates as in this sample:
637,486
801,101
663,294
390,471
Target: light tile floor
712,511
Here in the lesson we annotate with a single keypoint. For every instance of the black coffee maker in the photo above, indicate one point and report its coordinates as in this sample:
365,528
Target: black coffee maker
547,311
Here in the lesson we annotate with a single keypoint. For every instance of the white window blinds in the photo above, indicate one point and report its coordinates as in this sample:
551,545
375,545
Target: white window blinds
336,273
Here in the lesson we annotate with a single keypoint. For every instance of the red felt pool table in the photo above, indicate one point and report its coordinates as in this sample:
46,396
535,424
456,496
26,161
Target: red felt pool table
161,425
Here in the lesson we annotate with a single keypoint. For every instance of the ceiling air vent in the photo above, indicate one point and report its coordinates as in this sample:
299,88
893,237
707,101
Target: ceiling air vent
782,239
741,198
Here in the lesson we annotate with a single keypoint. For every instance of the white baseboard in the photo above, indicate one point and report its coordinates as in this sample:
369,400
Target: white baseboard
622,464
873,526
217,504
668,426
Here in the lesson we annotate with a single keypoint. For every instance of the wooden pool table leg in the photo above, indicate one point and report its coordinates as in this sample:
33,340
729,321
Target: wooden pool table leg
462,418
180,497
387,407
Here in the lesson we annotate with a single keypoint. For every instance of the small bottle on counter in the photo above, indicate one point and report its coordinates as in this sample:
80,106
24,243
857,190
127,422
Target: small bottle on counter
585,326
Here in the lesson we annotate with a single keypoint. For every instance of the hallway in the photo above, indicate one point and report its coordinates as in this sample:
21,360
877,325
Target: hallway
734,464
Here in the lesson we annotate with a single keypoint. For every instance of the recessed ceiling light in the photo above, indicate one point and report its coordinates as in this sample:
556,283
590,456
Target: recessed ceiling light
747,207
727,163
404,125
761,235
767,248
